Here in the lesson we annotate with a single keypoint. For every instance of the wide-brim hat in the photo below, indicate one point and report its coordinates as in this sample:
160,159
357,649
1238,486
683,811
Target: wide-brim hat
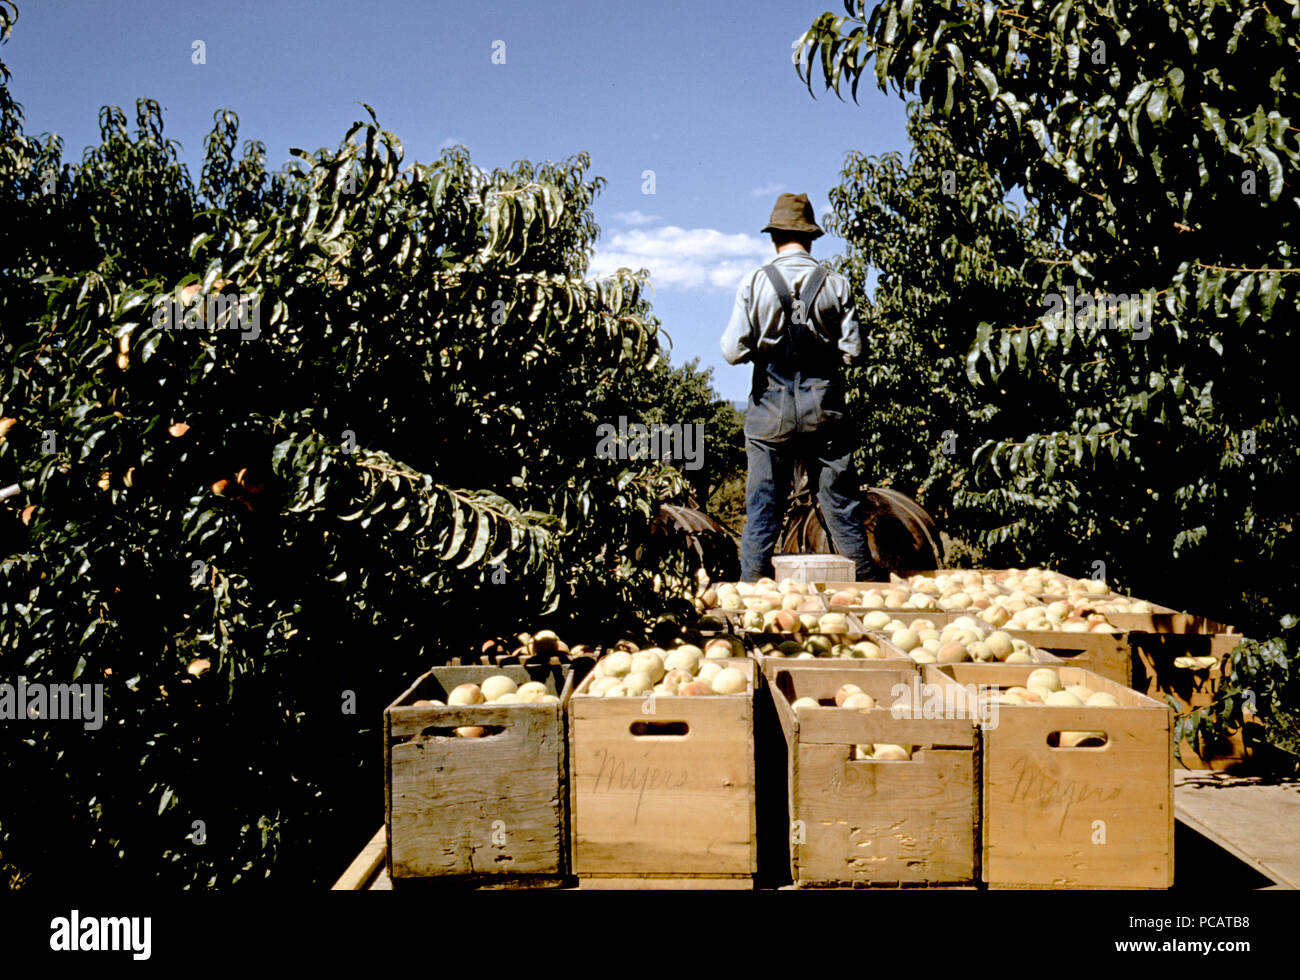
793,212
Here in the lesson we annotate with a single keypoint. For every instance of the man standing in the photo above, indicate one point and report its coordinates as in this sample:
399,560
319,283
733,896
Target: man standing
794,321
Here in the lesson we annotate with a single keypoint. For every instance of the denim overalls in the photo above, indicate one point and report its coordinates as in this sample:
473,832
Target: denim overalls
796,413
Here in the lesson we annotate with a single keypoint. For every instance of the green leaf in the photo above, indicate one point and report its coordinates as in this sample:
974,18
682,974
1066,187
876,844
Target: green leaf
1274,168
482,539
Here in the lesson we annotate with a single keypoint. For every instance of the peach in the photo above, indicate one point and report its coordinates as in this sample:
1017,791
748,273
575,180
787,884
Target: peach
730,680
466,694
616,664
683,658
952,653
833,623
999,642
1063,699
1074,740
497,685
637,682
786,621
675,678
891,752
906,640
695,689
844,691
1044,677
649,662
876,620
859,700
718,648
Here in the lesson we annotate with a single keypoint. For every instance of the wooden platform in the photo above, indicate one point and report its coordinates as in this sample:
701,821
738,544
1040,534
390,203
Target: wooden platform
1255,821
367,871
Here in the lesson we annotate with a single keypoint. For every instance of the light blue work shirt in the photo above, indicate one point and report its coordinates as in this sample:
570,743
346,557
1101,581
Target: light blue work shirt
758,322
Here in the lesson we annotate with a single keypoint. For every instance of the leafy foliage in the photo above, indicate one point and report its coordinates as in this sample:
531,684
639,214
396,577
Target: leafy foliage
685,395
1156,147
1261,684
282,440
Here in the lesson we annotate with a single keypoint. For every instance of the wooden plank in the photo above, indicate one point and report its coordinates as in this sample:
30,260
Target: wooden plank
1107,654
902,686
679,803
867,821
363,867
667,883
1258,823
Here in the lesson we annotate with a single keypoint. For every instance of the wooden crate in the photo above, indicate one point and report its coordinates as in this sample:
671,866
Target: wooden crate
662,789
1041,657
1075,817
466,809
1107,654
1156,674
862,822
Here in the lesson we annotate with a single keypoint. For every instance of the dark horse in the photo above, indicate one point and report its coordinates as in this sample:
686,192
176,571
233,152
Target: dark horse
900,534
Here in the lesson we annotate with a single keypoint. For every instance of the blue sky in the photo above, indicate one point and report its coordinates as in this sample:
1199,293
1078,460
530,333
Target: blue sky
702,93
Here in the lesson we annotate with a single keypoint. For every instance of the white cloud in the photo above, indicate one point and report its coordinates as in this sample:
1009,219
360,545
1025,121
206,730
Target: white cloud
767,190
687,258
451,141
635,217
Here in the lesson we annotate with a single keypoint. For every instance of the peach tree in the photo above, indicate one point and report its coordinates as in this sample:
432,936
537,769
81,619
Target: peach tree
1126,395
275,442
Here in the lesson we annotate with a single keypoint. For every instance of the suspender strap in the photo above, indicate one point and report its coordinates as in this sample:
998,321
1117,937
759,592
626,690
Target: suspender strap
782,292
811,287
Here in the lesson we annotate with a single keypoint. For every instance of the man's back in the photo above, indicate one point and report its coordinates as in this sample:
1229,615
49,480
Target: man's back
756,331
